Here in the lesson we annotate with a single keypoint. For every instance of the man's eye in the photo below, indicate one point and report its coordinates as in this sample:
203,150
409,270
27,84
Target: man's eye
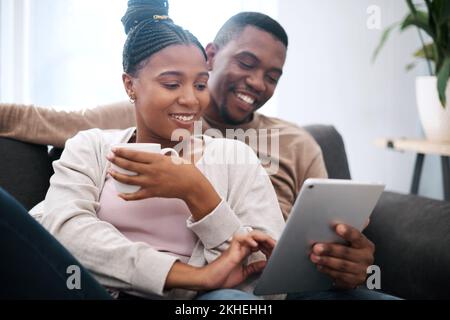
272,80
245,65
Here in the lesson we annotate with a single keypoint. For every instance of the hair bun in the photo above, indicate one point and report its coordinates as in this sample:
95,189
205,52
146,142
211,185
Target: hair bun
143,10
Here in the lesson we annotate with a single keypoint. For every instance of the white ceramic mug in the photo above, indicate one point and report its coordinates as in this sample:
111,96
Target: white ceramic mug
145,147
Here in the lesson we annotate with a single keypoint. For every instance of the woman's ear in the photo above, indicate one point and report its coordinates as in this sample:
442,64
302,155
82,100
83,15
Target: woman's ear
211,51
128,84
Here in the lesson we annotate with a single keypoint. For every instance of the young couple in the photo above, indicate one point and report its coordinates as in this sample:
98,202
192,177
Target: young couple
195,229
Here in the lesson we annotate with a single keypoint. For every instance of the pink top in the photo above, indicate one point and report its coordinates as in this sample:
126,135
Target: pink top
159,222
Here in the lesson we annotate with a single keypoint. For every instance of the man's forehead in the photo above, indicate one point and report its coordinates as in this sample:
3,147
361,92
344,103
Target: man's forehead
252,35
258,43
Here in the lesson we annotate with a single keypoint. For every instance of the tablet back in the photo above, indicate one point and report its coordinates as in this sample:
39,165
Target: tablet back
320,206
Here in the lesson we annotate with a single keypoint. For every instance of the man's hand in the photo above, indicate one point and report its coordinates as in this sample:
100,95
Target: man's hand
346,264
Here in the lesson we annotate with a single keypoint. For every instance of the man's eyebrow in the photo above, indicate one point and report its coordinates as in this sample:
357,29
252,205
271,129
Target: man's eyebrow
248,53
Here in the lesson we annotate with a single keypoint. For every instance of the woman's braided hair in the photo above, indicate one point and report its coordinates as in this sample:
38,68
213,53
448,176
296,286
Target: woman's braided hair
149,30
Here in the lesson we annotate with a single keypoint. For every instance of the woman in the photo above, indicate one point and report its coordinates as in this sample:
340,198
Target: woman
193,227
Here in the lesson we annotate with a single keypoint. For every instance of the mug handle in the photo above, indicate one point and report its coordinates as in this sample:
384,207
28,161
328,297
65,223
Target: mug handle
170,150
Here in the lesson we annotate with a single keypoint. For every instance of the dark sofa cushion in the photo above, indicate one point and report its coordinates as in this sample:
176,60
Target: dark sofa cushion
333,149
412,238
25,171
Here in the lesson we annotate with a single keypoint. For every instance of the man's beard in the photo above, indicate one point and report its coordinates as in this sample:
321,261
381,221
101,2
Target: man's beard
225,115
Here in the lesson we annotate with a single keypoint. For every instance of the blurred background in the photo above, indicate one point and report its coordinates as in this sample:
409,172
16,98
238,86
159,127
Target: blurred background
67,54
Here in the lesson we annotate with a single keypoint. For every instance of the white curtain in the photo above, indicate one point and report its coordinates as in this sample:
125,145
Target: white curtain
69,53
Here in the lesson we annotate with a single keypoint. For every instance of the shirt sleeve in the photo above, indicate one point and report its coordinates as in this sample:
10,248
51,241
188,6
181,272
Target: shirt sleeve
48,126
70,215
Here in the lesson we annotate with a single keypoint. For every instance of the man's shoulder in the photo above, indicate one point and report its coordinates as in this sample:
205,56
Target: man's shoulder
289,133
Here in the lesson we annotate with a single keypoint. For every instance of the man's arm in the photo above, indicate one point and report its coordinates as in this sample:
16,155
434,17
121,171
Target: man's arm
41,125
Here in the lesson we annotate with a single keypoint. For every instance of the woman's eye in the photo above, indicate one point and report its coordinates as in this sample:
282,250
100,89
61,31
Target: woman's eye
201,86
171,86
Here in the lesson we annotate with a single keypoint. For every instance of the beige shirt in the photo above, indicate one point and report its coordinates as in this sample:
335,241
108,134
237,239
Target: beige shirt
299,156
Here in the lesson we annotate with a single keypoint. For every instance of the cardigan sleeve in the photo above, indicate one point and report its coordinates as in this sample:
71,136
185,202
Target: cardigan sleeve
70,215
250,202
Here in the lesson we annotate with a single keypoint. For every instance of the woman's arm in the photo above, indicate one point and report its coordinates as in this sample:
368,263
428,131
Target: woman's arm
228,270
70,215
251,202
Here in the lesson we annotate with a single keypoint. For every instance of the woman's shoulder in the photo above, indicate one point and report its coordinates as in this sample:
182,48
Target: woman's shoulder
103,136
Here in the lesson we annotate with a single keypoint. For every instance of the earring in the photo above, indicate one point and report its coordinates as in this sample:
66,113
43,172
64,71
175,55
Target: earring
132,98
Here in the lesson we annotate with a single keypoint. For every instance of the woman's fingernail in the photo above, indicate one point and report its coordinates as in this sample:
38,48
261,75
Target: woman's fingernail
341,229
319,249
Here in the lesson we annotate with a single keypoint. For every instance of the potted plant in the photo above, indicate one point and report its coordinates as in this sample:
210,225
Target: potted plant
432,92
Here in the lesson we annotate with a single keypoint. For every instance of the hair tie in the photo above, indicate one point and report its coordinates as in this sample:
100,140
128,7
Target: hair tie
158,17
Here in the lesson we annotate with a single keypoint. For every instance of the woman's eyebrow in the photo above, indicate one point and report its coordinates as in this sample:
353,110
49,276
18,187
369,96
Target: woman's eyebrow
171,73
179,74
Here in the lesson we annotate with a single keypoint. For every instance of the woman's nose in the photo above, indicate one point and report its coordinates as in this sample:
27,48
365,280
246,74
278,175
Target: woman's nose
189,99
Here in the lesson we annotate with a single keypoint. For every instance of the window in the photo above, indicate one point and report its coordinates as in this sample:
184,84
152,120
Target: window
69,53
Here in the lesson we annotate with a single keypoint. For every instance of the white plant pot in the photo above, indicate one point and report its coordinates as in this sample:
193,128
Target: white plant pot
435,119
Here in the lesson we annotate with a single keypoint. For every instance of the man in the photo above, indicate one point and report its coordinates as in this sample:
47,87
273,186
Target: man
246,62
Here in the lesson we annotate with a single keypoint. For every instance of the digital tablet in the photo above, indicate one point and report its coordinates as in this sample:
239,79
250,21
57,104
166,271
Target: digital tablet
320,206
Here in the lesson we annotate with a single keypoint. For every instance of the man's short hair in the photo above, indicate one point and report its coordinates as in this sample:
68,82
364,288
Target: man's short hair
237,23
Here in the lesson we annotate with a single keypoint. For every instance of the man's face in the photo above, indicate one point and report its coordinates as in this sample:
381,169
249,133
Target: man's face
244,73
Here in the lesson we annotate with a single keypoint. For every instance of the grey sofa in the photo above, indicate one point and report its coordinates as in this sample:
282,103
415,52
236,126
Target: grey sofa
411,234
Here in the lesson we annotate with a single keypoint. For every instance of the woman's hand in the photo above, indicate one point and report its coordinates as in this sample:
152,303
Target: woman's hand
165,177
229,269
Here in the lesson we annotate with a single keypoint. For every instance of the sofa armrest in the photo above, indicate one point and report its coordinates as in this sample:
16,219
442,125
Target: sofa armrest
25,171
412,239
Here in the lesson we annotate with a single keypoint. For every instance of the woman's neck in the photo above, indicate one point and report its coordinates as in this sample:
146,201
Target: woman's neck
147,137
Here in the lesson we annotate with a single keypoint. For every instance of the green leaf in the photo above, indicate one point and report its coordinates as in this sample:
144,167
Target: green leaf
427,52
443,76
410,66
384,38
411,7
419,20
441,11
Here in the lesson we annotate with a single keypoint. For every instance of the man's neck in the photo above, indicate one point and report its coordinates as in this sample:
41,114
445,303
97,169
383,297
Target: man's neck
212,114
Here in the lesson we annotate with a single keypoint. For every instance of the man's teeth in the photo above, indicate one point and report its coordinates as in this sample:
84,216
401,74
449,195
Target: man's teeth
183,118
245,98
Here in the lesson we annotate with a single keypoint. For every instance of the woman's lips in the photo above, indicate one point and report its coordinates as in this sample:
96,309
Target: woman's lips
184,121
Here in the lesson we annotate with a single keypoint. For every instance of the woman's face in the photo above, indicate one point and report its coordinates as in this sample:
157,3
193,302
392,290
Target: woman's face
171,91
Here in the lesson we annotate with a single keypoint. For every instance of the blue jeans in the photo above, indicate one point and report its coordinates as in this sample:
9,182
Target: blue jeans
335,294
227,294
33,263
357,294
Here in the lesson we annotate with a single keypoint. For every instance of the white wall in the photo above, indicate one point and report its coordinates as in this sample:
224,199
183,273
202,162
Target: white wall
329,79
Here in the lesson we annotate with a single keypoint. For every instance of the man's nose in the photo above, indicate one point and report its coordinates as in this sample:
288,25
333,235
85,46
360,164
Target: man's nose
256,81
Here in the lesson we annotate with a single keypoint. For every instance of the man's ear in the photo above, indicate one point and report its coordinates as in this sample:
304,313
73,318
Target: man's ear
128,84
211,52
